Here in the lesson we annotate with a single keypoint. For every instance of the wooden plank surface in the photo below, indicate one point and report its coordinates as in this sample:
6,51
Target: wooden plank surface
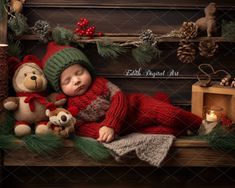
184,153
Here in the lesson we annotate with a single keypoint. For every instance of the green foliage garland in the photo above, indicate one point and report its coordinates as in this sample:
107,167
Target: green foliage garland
221,139
62,35
7,142
14,48
42,144
112,50
18,24
145,53
91,148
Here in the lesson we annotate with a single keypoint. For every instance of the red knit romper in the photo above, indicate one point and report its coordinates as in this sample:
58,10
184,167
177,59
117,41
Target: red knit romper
104,104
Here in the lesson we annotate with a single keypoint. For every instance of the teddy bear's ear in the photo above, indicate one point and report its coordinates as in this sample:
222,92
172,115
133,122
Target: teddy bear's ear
33,59
47,112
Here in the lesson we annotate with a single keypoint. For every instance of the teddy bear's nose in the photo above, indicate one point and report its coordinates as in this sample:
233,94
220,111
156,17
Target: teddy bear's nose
63,118
33,77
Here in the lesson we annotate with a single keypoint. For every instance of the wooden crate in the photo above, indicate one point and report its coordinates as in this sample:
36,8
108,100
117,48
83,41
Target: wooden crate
216,95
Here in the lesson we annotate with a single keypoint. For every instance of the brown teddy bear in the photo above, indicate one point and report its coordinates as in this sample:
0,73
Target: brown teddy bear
208,23
29,105
61,121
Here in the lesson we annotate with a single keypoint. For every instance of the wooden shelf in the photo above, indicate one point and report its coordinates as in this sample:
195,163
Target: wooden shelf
132,4
183,153
123,37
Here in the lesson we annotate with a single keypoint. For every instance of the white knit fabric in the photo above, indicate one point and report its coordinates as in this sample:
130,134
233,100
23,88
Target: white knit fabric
151,148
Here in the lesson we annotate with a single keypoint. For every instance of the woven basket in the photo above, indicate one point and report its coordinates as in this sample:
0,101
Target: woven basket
3,73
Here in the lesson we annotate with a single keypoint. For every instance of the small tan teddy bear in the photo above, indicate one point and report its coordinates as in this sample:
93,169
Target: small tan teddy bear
208,23
61,121
29,104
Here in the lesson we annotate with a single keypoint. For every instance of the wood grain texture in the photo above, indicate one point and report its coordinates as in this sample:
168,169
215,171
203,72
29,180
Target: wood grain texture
116,19
150,4
183,153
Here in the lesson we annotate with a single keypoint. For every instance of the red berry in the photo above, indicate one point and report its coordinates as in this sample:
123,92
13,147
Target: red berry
100,34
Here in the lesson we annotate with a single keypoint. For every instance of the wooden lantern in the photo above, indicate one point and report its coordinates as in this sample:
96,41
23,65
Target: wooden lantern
216,95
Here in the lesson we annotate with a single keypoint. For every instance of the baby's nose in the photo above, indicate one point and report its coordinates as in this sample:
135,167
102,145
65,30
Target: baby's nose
76,80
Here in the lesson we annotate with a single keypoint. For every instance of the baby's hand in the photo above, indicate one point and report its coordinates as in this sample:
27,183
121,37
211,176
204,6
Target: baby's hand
106,134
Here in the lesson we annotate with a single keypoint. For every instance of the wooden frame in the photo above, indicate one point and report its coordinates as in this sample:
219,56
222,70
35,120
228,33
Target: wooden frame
223,96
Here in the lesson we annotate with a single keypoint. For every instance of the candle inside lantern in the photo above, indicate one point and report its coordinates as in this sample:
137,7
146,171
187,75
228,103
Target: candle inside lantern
211,116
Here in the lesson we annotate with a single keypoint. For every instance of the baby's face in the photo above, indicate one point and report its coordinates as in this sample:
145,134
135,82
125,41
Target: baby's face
75,80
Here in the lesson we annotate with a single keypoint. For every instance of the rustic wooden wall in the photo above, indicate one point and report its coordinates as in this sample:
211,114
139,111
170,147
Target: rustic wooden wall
131,17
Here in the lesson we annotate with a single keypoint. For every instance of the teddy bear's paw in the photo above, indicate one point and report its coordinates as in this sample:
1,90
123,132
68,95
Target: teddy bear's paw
22,130
42,129
64,134
10,105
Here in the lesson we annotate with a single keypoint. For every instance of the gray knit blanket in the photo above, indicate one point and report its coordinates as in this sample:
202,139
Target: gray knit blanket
151,148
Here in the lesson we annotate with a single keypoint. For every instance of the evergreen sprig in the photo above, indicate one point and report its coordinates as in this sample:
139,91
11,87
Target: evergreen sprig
14,48
18,24
91,148
42,144
221,139
7,142
62,35
145,53
112,50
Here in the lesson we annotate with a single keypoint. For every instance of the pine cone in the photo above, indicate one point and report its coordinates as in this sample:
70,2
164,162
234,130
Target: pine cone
186,52
208,47
188,30
226,81
148,37
41,27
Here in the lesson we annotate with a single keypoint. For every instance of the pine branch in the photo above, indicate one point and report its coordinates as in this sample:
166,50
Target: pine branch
221,140
14,48
62,36
7,142
43,144
145,53
109,49
18,24
91,148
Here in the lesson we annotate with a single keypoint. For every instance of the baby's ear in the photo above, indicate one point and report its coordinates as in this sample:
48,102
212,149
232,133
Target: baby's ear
47,112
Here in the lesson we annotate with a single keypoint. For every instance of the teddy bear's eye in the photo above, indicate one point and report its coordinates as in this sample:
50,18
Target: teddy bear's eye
25,74
34,72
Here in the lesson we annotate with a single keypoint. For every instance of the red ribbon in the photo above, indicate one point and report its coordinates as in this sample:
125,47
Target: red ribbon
31,98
